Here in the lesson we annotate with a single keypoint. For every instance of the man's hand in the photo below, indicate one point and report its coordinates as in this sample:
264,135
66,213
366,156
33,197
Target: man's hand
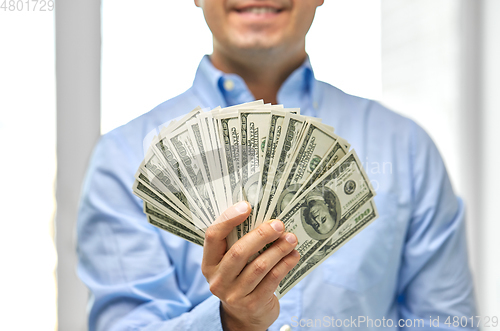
247,291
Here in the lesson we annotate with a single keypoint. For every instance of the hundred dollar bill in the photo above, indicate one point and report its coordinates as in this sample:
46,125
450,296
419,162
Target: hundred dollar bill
267,152
152,168
275,127
254,125
184,149
229,145
218,165
151,210
169,207
169,227
254,128
229,127
326,205
229,135
202,155
335,153
162,149
361,219
215,156
315,144
148,195
170,160
229,132
152,185
159,177
288,139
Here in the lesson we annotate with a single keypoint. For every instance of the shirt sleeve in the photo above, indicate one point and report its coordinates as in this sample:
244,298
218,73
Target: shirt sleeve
435,280
123,259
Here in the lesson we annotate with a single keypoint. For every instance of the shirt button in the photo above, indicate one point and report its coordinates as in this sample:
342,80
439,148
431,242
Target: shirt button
286,327
228,85
315,105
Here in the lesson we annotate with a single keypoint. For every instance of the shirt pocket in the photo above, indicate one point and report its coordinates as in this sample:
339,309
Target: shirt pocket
363,261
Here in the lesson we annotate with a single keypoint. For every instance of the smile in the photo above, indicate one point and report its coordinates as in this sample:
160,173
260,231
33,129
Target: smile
259,10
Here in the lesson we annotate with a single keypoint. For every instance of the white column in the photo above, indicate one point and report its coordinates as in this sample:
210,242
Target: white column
78,46
470,139
488,275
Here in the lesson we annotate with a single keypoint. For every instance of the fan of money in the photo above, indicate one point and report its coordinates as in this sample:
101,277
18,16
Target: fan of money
287,166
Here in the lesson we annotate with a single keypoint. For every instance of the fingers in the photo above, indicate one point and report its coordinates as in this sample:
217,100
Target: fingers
237,257
255,271
215,236
273,278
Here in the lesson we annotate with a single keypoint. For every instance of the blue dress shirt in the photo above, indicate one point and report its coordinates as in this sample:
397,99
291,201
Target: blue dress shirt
409,265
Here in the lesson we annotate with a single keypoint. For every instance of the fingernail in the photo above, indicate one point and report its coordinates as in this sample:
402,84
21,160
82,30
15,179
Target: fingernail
241,207
291,238
277,226
295,252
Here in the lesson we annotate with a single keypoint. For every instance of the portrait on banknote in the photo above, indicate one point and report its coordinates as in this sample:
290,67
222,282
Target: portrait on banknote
321,213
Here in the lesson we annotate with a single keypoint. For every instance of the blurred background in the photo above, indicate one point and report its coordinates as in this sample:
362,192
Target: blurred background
83,68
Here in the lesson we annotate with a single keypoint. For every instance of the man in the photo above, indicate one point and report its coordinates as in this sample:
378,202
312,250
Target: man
411,263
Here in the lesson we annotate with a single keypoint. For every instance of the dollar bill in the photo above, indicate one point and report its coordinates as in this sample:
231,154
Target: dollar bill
170,160
184,149
150,209
148,195
254,125
335,153
273,135
169,204
361,219
314,146
202,155
169,227
215,156
163,181
326,205
287,141
229,135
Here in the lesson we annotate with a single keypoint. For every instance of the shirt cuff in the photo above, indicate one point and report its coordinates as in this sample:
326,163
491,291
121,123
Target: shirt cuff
206,315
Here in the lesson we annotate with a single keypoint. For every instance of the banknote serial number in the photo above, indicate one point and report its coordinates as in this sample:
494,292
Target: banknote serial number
27,5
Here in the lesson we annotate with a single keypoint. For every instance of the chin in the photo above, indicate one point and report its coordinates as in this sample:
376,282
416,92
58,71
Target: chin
256,41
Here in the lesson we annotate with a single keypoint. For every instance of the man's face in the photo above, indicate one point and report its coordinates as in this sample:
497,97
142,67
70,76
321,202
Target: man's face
258,24
320,219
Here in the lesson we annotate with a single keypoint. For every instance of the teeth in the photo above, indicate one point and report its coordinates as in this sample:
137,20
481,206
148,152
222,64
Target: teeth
260,10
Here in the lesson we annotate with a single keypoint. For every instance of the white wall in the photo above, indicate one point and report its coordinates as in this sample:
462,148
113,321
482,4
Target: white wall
488,277
440,67
28,167
150,53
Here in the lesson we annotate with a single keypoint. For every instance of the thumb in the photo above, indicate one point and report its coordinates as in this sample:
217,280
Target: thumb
215,236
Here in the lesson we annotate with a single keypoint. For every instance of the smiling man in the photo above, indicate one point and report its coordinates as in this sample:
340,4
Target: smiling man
409,264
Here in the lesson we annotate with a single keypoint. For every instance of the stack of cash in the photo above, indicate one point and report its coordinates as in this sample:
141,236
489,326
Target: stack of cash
287,166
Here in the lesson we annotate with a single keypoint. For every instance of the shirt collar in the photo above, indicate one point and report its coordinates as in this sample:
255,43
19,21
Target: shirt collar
216,88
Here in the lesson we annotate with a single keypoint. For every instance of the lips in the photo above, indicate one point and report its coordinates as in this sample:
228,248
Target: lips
259,10
259,13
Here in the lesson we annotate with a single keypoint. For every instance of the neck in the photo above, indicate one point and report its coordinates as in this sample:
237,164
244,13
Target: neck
263,71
